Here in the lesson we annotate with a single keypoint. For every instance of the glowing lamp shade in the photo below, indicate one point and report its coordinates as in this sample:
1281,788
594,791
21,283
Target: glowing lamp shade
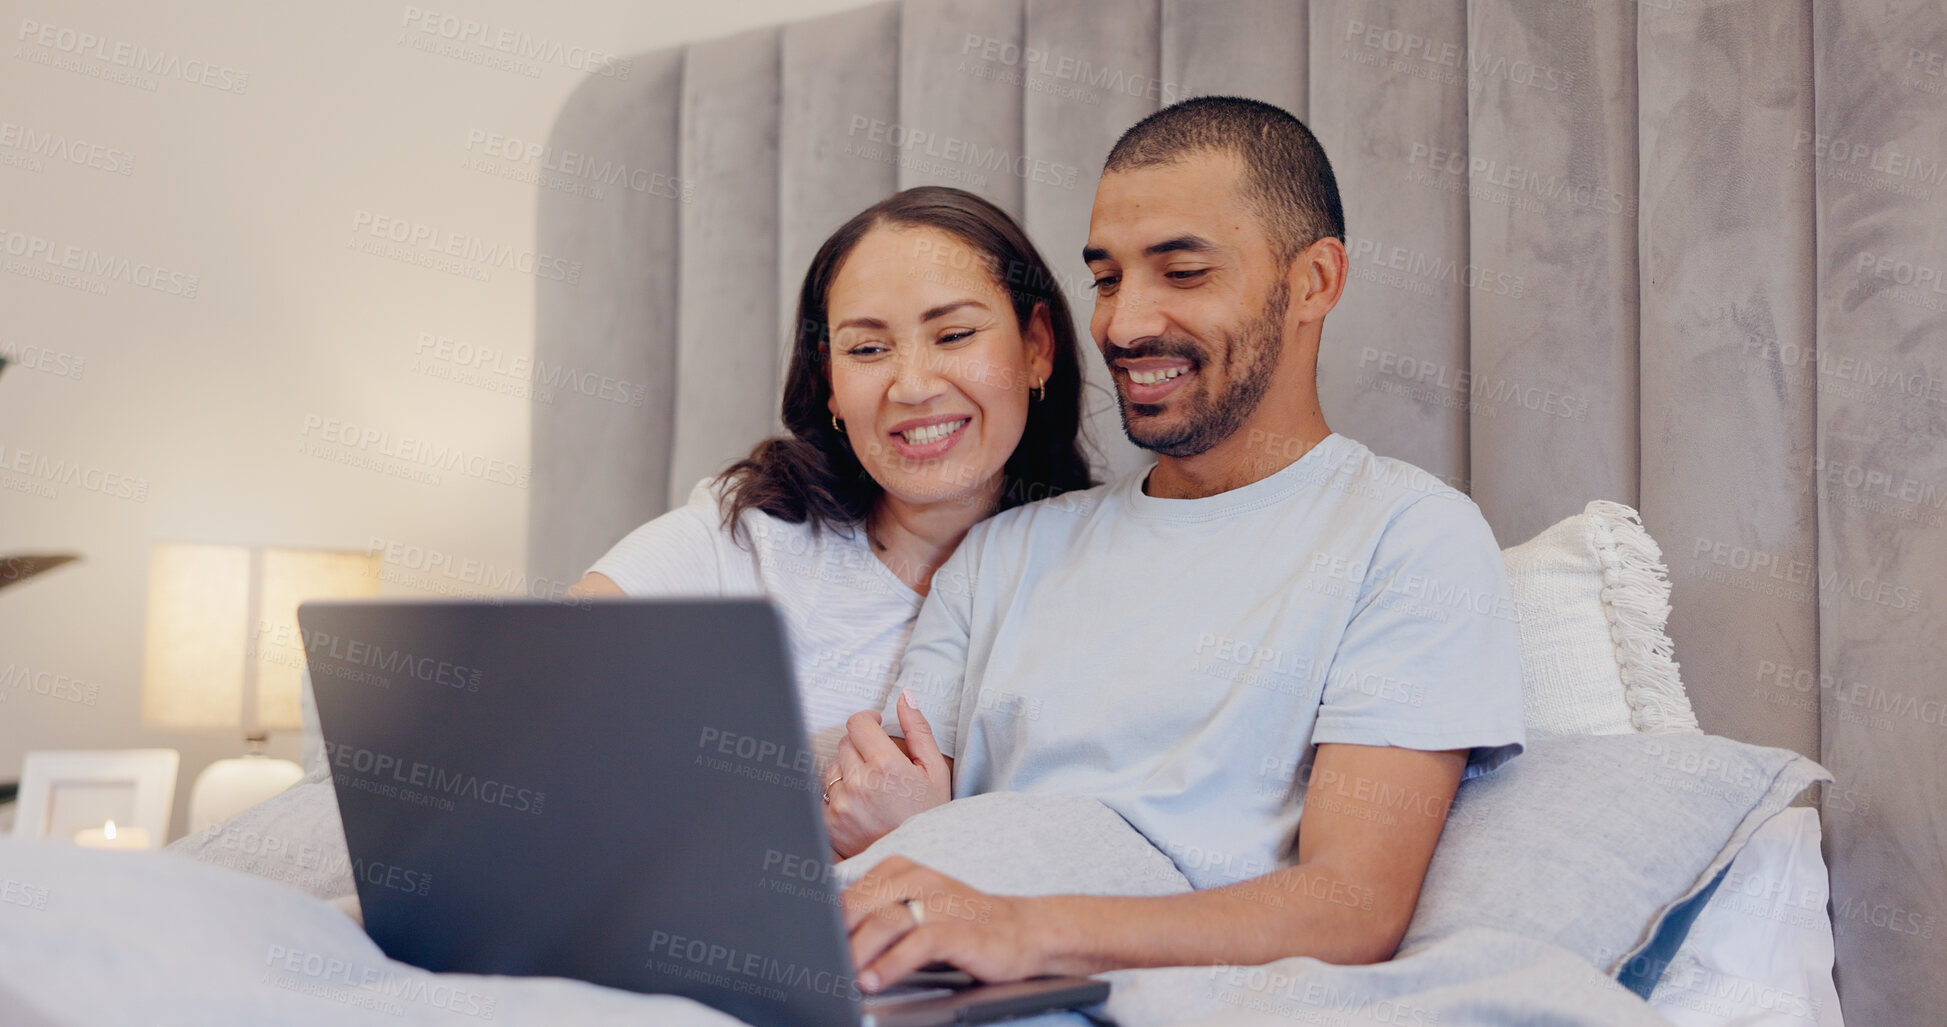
222,647
222,650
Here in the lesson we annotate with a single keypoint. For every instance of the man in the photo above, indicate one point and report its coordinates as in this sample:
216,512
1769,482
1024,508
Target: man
1271,621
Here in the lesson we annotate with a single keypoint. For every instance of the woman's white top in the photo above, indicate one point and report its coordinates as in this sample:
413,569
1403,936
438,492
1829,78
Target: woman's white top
847,613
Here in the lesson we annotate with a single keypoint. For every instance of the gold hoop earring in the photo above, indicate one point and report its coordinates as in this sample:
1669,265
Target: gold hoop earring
837,426
1038,392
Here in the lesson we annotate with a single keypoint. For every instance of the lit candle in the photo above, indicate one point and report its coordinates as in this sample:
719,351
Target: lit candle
108,836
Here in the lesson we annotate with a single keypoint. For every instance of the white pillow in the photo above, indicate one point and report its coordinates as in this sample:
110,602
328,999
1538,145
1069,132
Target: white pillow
1761,949
1593,597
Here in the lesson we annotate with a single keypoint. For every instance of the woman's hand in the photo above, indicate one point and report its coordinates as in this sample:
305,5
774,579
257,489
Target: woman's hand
902,916
876,786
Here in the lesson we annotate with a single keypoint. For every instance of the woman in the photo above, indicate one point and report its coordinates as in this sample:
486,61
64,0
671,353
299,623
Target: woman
934,380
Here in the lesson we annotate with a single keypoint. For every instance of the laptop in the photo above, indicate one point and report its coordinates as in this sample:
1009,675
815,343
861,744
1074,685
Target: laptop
618,791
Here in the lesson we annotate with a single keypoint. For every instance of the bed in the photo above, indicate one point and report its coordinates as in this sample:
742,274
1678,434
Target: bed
1535,350
1627,868
1603,250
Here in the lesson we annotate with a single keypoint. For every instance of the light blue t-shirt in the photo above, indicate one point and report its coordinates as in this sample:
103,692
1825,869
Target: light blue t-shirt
1179,659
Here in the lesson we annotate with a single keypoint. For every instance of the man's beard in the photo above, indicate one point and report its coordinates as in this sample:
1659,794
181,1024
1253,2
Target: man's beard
1249,358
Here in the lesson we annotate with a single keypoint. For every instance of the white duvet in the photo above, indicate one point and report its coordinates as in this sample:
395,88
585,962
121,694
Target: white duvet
97,937
91,937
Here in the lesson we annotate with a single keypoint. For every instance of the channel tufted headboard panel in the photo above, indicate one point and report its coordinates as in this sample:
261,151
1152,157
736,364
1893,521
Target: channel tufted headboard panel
1600,250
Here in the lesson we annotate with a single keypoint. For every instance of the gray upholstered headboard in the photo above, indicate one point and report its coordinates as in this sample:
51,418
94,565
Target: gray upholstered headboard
1601,250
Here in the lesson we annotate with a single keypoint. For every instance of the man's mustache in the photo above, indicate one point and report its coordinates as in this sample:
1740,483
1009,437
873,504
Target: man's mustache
1155,347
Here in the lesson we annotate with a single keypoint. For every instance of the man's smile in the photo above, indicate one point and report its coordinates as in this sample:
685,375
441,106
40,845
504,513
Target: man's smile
1149,380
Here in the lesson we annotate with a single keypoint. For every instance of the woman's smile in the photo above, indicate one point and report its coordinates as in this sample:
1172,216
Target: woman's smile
929,438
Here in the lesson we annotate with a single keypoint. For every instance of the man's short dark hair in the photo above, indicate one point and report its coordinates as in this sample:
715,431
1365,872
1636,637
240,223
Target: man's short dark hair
1286,175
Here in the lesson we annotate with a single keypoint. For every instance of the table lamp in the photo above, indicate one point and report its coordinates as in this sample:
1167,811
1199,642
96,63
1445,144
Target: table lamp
223,649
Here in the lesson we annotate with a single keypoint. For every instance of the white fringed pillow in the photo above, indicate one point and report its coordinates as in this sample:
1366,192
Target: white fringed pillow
1593,596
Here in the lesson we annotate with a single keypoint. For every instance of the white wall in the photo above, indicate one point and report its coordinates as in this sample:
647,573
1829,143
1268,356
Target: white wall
255,192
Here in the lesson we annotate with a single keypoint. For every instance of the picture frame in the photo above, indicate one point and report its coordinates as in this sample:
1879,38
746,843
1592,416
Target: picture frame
66,792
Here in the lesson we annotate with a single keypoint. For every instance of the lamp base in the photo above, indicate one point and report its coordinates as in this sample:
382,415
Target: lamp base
228,787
